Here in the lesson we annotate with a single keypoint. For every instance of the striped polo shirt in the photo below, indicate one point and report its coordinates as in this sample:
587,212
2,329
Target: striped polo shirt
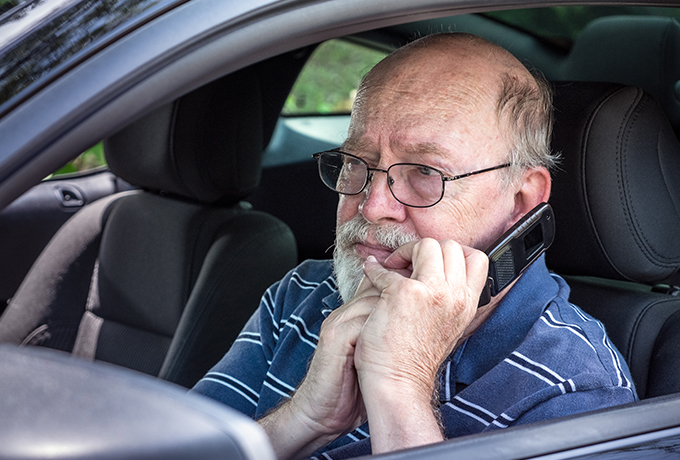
536,357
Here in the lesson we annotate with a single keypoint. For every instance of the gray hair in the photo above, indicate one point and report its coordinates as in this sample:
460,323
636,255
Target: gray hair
525,116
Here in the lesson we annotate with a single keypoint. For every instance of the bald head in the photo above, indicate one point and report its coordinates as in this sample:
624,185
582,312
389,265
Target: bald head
448,50
464,76
455,66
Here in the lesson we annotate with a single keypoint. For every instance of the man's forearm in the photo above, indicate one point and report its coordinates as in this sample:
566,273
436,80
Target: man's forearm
399,421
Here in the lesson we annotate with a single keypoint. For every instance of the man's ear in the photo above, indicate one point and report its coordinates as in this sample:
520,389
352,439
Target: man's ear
534,189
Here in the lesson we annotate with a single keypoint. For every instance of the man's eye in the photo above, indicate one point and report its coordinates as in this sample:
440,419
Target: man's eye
426,171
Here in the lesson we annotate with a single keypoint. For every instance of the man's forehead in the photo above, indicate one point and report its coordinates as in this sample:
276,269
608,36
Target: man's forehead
411,93
441,69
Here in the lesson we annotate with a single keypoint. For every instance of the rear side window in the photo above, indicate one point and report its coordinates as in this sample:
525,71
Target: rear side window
328,83
90,159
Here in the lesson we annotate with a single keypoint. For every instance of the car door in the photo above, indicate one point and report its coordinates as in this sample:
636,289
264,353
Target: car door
28,223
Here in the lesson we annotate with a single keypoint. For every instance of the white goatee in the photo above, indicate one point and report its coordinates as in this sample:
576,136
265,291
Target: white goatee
348,266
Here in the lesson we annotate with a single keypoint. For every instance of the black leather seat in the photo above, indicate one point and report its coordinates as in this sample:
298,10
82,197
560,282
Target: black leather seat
162,279
617,203
639,51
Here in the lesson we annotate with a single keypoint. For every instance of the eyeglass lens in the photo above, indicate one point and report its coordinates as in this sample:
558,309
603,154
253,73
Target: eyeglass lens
343,173
411,184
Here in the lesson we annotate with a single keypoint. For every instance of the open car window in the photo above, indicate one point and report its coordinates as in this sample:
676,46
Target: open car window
316,114
329,81
138,67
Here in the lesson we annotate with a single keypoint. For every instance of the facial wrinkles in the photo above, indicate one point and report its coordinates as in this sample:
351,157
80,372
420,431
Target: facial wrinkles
482,209
440,88
398,116
401,110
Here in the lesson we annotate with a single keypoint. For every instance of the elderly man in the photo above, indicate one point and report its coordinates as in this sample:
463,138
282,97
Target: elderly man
389,337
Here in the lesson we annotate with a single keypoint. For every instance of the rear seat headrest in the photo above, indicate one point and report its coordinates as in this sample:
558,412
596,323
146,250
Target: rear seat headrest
616,194
640,51
205,146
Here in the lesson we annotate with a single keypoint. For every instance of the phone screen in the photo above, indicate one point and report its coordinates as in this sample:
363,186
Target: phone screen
533,241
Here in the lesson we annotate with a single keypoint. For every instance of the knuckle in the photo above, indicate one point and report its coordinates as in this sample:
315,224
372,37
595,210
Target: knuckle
427,243
450,245
412,288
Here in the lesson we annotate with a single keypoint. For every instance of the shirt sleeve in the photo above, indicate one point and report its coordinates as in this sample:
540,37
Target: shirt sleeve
575,403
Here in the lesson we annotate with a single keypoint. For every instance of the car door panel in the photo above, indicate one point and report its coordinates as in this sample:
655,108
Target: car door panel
28,224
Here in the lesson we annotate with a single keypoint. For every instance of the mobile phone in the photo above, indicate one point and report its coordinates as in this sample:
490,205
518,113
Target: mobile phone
518,248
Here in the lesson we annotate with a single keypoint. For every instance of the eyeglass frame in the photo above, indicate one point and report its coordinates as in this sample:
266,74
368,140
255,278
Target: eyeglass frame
369,175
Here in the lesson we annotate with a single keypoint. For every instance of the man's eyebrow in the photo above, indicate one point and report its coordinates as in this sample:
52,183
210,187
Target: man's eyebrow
419,149
354,145
424,148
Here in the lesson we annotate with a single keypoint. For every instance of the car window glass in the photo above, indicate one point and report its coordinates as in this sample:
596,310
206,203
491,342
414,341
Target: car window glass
90,159
316,114
48,42
329,80
566,22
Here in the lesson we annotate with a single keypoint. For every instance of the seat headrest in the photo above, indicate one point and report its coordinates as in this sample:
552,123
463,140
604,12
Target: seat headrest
616,193
638,51
205,146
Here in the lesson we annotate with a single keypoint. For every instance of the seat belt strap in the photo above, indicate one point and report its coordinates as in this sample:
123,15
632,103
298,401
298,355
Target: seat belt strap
90,324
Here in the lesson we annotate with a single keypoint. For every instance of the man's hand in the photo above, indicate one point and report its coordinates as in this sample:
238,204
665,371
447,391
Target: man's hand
413,328
378,354
328,402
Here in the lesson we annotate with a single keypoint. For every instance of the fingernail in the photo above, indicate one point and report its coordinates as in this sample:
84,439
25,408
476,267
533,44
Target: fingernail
371,259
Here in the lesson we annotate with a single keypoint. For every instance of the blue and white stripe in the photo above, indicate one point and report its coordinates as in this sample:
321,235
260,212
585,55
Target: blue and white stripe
235,385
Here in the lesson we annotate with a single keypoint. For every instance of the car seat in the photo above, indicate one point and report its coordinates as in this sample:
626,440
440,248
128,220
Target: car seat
638,51
308,207
616,196
162,279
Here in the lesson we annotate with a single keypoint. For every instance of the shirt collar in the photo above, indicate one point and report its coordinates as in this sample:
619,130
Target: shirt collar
507,326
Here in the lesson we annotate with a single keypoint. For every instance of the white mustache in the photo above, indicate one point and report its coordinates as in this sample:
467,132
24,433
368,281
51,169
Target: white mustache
358,228
347,265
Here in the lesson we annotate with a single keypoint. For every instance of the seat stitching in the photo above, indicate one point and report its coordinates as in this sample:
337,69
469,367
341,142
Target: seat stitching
584,150
646,247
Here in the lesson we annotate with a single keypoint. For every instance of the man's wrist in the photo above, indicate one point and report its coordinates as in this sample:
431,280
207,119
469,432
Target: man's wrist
292,434
396,390
401,416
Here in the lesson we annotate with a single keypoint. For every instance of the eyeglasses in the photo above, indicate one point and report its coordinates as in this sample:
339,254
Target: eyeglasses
411,184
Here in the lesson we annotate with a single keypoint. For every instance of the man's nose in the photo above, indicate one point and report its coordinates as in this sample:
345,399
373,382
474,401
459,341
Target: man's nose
379,204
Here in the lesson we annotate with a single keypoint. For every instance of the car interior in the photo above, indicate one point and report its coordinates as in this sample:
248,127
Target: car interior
156,261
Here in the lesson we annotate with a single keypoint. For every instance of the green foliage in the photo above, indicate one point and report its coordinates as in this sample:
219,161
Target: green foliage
89,159
329,80
6,5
